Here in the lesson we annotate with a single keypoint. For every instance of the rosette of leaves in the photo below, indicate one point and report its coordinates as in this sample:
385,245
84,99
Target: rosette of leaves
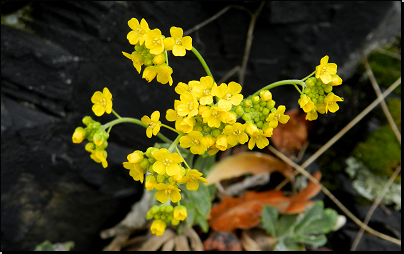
291,230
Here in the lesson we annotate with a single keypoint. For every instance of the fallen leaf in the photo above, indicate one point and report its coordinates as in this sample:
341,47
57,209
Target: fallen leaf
289,137
245,212
222,241
247,163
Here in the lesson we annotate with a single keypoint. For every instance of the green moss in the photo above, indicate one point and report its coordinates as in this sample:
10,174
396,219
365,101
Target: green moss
20,19
380,153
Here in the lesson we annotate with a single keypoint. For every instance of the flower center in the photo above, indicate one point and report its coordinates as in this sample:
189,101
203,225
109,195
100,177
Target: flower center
178,41
104,102
237,132
152,125
227,96
206,91
156,41
190,105
167,162
195,142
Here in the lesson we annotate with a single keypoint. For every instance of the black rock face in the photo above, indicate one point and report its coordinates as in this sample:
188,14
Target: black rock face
51,189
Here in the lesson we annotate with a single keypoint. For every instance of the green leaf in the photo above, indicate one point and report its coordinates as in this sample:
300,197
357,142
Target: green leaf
314,240
313,213
286,224
203,164
281,245
323,225
270,219
200,199
202,222
44,246
191,213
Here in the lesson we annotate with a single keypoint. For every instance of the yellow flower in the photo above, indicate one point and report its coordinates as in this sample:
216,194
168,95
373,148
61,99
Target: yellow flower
258,138
325,70
154,41
186,124
192,178
180,212
158,227
183,88
312,115
228,95
177,43
195,141
150,182
276,116
153,123
306,104
188,106
167,162
99,156
136,58
235,134
149,73
102,102
336,80
214,116
164,74
221,142
79,135
330,102
133,164
166,191
138,31
203,90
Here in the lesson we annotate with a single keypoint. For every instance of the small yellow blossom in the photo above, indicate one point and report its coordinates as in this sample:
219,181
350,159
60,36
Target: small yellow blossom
154,41
336,80
150,182
167,162
186,124
258,138
158,227
180,212
79,135
166,191
325,70
306,104
164,74
214,116
228,95
312,115
177,43
149,73
136,58
276,116
195,141
192,178
235,134
100,156
188,106
221,142
330,102
203,90
102,102
184,88
138,31
153,123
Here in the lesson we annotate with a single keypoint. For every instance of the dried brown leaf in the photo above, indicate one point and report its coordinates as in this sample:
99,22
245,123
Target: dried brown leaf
247,163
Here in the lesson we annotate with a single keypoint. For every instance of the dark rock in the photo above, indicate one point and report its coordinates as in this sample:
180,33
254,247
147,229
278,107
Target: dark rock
51,189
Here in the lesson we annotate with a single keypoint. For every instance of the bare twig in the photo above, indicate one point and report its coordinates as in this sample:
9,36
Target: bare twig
392,54
217,15
333,198
249,42
373,207
376,87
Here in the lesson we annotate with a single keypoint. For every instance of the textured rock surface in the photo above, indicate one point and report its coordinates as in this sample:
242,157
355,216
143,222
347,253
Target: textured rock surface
50,187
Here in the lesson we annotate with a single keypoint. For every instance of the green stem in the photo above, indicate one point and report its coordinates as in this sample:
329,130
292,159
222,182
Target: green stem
309,76
165,51
170,128
175,143
135,121
116,114
200,58
185,162
281,83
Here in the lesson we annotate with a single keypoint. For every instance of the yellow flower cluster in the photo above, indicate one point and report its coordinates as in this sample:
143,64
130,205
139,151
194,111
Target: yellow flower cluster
151,47
163,215
97,140
318,96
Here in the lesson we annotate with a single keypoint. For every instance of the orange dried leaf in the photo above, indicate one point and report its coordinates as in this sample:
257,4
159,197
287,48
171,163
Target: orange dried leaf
247,163
291,136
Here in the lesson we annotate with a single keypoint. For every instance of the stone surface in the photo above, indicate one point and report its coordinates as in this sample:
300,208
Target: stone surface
51,189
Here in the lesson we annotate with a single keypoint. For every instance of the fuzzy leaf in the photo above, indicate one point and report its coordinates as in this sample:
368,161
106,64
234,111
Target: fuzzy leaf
270,219
202,222
312,214
200,199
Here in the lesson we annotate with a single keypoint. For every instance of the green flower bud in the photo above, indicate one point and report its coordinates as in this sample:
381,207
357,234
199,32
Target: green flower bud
248,110
145,164
256,99
149,215
148,62
328,89
265,112
87,120
320,99
247,103
216,132
239,110
175,222
310,82
89,147
155,209
160,178
246,117
260,124
270,104
169,209
104,145
139,48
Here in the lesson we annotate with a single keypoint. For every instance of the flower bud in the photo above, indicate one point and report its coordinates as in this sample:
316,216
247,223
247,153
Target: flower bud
79,135
87,120
266,95
180,212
